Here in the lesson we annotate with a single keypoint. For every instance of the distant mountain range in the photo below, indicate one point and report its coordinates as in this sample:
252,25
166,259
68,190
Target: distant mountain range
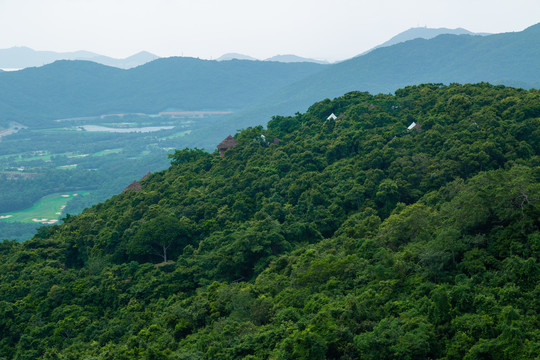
34,96
290,58
256,90
293,58
410,34
23,57
507,58
423,33
235,56
511,59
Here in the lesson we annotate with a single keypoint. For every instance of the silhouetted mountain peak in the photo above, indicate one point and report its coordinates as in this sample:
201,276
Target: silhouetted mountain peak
423,33
22,57
235,56
288,58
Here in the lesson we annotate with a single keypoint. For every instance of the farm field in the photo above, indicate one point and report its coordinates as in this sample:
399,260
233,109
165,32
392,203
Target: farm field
60,159
107,152
46,211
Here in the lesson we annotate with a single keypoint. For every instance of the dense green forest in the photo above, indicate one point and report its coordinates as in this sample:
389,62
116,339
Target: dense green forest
311,239
45,104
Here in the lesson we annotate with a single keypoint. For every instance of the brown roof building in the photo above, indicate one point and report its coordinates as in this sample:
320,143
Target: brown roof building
146,176
226,144
135,186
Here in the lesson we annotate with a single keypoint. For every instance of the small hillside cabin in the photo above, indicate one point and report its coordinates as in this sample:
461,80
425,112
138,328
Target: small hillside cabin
332,117
146,176
412,126
135,186
228,143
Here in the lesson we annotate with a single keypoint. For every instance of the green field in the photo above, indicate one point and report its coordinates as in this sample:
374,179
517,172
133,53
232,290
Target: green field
67,167
107,152
46,211
177,135
33,156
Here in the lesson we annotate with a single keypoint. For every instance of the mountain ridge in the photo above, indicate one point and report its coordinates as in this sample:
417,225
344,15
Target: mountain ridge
511,58
422,33
24,57
287,58
83,88
235,56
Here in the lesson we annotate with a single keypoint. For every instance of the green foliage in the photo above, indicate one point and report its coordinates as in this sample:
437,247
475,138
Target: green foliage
186,155
350,238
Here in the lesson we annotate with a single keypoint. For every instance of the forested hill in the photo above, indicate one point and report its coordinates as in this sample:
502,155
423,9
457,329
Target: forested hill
344,239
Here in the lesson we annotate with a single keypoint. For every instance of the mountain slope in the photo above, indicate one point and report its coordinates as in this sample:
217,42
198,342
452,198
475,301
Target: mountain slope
423,33
77,88
353,238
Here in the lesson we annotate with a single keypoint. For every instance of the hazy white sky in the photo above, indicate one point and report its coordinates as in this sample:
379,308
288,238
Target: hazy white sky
332,30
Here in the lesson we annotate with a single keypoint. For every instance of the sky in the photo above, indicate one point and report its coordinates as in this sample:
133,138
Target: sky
327,30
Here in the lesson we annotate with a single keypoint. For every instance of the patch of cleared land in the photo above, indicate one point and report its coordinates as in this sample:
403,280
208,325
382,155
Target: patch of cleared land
177,135
97,128
46,211
107,152
67,167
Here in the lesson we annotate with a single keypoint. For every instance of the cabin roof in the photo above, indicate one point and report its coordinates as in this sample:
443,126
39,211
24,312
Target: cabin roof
146,176
228,143
133,186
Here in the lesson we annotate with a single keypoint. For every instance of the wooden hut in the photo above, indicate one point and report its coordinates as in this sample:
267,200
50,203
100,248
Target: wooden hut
226,144
135,186
146,176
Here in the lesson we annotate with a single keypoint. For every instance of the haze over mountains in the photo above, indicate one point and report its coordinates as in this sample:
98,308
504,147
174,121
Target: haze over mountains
256,90
23,57
509,58
289,58
81,88
423,33
410,34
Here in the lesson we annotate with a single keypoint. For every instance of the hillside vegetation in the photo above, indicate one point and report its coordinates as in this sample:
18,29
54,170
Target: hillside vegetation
346,239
